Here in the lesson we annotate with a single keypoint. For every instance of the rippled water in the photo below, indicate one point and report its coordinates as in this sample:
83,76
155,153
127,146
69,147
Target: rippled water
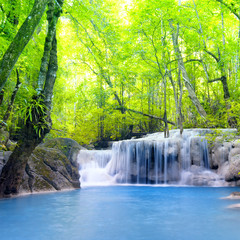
122,213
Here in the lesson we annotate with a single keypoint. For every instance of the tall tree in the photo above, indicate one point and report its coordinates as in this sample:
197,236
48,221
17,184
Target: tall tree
37,118
21,39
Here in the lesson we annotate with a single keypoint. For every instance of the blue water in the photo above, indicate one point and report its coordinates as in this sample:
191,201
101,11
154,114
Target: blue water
122,213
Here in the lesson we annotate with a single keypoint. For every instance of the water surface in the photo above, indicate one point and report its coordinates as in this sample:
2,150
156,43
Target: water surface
122,213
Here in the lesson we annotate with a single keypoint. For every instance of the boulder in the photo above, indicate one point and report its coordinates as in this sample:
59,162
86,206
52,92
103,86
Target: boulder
196,151
67,146
52,167
234,169
223,169
233,196
234,163
237,206
219,153
198,176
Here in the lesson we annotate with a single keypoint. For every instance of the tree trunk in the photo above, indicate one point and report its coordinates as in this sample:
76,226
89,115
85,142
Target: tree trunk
166,130
47,46
51,75
21,40
186,79
1,96
179,111
10,105
34,129
13,170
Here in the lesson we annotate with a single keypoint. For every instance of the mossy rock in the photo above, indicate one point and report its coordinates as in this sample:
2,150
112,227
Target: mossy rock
52,167
67,146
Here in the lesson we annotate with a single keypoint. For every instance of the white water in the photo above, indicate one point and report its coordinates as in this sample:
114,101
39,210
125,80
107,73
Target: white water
93,167
151,160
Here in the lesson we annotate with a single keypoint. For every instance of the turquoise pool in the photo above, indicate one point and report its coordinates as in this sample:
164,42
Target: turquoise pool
122,213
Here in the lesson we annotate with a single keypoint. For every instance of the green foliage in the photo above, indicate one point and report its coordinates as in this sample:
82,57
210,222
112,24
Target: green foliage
217,135
115,54
35,112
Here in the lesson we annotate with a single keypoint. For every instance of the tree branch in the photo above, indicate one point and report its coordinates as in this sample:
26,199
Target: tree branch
145,114
21,39
230,7
10,104
194,60
214,80
210,53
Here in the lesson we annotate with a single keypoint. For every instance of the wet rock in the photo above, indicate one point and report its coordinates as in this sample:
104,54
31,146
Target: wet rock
234,206
67,146
234,169
198,176
197,151
223,169
173,148
52,167
234,164
219,154
233,196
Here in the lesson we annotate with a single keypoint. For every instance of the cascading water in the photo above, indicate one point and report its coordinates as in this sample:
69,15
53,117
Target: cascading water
150,160
92,166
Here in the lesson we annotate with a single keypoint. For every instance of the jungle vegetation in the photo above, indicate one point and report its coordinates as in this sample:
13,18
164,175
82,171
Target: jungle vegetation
121,67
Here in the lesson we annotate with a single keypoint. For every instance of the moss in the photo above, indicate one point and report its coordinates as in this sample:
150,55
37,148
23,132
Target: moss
66,145
47,160
4,136
11,145
41,185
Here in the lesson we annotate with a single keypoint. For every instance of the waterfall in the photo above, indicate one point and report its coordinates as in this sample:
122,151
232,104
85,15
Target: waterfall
205,153
150,160
92,166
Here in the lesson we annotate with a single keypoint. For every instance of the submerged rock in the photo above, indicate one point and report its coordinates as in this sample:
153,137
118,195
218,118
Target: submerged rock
233,196
52,167
234,206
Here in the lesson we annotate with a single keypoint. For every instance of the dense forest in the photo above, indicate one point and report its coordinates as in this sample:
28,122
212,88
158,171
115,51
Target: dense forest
121,67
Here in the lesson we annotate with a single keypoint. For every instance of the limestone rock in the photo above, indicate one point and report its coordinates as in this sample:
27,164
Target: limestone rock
67,146
233,196
234,169
237,206
220,153
223,169
197,176
52,166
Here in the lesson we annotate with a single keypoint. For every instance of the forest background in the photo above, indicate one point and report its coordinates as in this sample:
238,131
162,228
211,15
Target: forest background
133,66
